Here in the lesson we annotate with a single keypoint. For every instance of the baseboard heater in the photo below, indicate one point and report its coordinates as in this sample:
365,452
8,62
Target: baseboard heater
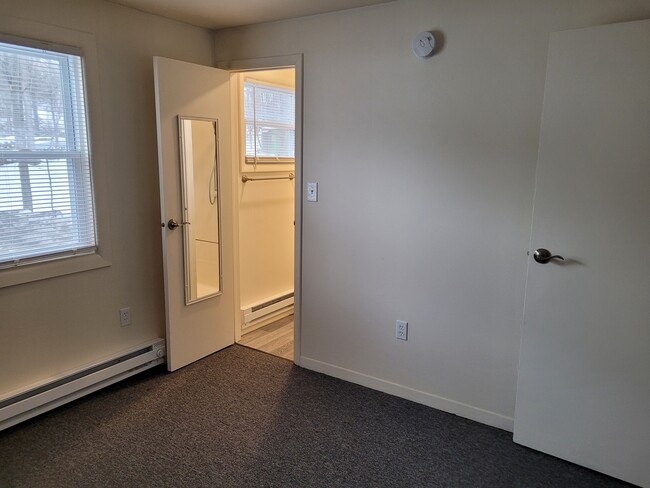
263,312
26,403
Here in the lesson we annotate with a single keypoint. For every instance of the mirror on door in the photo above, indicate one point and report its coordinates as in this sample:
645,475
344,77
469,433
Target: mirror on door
200,197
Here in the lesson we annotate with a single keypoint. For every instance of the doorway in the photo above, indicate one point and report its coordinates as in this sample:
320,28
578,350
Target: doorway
264,105
197,327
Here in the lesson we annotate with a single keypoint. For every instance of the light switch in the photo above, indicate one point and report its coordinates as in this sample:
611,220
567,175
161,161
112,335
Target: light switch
312,192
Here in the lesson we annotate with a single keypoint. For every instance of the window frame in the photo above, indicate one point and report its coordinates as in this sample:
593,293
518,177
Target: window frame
26,33
270,164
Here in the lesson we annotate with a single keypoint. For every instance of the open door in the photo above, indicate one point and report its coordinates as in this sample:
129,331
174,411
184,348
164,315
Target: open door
583,391
198,322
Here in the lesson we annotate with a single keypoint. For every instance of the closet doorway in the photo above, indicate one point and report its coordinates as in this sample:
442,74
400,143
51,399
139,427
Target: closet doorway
265,111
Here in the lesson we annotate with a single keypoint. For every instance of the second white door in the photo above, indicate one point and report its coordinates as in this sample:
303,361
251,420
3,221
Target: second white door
583,392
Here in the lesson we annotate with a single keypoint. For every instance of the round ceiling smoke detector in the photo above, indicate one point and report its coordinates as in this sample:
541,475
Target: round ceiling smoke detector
423,44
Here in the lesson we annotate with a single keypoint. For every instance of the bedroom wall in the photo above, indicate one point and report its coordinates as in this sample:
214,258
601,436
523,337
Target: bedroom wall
57,324
426,176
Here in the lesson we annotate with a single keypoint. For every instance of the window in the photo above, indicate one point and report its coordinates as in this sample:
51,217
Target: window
46,202
269,123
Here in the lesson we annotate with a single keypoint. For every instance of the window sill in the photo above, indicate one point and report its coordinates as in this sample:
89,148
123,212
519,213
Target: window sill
51,269
253,161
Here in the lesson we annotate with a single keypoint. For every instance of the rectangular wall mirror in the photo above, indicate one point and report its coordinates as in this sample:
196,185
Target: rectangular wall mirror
201,209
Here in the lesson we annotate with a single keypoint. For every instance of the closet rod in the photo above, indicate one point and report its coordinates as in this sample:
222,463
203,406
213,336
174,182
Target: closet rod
245,178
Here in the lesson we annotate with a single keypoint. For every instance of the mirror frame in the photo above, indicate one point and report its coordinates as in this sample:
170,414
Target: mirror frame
184,210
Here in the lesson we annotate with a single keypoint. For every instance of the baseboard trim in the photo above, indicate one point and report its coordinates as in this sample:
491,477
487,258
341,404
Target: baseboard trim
445,404
272,317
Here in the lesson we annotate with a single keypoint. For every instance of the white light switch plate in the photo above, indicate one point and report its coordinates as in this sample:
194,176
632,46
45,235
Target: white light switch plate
312,192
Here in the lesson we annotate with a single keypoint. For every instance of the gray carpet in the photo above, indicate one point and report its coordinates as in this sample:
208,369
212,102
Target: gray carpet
242,418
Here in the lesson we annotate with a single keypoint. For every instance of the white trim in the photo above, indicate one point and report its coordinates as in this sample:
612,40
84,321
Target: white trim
234,182
40,44
440,403
277,62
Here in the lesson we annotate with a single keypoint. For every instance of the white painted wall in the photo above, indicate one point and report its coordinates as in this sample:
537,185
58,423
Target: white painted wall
53,325
265,239
266,214
426,175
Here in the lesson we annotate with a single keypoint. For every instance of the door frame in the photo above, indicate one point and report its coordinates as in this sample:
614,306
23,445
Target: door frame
276,62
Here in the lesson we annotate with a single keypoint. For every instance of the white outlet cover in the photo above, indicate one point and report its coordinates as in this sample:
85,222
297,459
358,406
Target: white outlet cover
401,329
125,316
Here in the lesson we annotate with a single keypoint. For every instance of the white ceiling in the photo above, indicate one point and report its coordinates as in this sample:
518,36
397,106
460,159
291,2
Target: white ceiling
217,14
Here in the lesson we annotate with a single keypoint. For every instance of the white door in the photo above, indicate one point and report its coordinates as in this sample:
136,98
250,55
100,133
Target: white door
583,391
190,90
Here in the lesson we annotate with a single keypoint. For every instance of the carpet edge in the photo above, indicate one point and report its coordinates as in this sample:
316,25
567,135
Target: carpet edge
464,410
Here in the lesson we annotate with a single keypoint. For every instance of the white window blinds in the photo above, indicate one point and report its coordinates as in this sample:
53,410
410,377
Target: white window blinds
269,119
46,204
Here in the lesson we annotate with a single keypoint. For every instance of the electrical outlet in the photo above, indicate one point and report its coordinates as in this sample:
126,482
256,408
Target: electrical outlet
401,330
125,316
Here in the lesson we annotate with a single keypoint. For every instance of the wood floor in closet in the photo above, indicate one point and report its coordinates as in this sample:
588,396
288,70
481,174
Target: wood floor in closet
275,338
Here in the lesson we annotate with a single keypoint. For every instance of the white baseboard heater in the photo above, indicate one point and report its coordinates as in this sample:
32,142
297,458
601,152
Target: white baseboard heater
33,400
262,313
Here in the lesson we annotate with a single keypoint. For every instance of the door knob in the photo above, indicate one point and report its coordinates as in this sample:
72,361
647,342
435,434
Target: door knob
172,224
543,256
